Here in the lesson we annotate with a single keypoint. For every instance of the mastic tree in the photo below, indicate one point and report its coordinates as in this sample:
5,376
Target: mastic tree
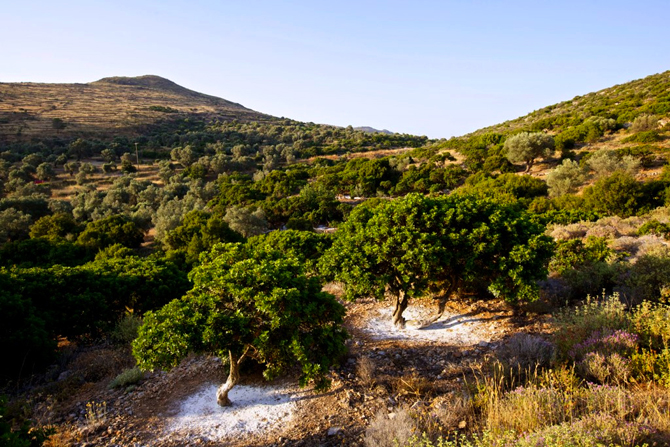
408,247
525,147
247,305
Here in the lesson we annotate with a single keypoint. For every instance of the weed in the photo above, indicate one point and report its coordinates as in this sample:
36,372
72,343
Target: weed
96,413
366,371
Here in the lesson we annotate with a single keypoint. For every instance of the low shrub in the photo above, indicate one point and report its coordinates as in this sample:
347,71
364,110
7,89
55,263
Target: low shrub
125,330
576,325
525,352
128,377
390,429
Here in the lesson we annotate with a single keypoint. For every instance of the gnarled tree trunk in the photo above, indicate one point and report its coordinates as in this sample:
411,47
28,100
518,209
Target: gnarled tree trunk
401,303
233,378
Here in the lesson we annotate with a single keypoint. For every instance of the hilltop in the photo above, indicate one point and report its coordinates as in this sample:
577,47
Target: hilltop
107,107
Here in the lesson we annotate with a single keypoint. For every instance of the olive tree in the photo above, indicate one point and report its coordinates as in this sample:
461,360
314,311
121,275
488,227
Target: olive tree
245,305
566,178
525,147
408,247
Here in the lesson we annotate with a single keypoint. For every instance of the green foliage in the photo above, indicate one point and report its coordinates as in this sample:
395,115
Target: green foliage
619,194
654,227
574,254
565,179
245,221
649,136
111,230
25,435
14,225
525,147
42,252
504,186
199,232
55,226
126,329
644,123
130,376
305,246
246,304
406,245
41,303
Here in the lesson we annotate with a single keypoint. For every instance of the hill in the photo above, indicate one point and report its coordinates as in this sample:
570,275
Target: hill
624,102
373,130
107,107
629,119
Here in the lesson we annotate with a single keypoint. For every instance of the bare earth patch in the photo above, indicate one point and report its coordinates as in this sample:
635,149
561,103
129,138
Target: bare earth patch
452,328
255,409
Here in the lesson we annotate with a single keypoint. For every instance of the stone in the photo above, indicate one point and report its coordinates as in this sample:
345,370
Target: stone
334,431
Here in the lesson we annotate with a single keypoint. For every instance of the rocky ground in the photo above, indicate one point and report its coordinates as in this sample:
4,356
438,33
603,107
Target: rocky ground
384,370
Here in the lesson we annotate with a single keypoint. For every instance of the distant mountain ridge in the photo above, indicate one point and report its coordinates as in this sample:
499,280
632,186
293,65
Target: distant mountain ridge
373,130
108,107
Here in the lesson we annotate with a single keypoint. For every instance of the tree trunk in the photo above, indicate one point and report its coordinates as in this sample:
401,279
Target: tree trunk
441,304
401,303
233,379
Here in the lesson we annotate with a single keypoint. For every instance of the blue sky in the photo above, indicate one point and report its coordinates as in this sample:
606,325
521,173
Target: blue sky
436,68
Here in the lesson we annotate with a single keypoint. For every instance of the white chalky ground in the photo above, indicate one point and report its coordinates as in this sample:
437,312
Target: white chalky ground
255,409
449,329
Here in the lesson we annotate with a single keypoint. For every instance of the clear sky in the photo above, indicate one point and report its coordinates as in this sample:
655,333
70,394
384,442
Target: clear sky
436,68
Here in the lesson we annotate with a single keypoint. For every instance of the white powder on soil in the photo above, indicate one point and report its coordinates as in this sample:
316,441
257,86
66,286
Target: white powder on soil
449,329
255,409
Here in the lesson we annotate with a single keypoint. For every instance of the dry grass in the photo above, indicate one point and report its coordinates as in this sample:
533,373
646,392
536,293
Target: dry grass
102,108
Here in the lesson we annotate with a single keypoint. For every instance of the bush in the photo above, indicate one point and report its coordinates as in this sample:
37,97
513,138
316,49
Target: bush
654,227
565,179
390,429
576,325
650,136
128,377
644,123
604,356
525,352
617,194
126,329
24,435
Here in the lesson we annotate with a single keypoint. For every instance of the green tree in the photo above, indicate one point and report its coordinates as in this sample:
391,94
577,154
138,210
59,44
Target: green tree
199,232
566,178
72,167
14,225
525,147
619,194
406,247
246,222
108,155
111,230
45,171
305,246
58,124
55,226
247,306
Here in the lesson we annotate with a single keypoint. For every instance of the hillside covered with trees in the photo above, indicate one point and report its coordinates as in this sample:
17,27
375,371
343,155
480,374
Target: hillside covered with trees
177,223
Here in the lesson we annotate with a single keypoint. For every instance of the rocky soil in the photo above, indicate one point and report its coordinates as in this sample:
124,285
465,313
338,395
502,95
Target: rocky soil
383,371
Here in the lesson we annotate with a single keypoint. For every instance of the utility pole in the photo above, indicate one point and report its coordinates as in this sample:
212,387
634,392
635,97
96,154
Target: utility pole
137,156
